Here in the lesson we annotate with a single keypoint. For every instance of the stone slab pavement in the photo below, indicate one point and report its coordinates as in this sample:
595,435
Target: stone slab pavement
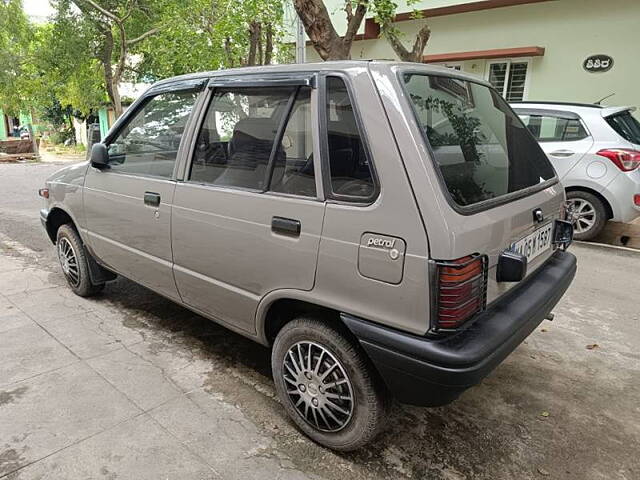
80,397
128,385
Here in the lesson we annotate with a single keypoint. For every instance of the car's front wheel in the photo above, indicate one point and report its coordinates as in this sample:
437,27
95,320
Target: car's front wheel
327,385
589,214
74,262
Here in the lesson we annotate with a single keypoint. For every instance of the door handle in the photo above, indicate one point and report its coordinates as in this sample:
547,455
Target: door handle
152,199
562,153
285,226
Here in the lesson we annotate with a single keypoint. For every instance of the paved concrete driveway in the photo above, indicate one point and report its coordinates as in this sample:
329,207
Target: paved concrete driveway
129,385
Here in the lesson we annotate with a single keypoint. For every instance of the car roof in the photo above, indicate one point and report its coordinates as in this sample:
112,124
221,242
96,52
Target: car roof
583,109
335,65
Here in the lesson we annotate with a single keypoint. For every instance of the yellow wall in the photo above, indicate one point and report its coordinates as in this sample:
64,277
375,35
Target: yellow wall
570,30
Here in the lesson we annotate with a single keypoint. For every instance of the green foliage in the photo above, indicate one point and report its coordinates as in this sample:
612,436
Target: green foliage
210,35
15,32
57,70
384,12
63,135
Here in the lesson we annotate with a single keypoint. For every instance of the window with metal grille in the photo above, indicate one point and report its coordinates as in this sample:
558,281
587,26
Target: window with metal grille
509,78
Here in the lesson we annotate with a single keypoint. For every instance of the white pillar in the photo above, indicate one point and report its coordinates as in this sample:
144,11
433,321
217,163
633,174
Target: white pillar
301,52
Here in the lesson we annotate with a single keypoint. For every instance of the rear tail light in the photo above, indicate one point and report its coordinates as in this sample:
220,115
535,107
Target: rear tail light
624,158
636,200
460,290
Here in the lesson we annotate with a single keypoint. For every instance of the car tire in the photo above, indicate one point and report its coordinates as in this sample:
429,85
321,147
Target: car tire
323,349
591,212
74,262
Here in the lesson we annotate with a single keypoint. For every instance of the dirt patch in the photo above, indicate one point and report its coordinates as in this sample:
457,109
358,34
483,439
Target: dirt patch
11,459
9,396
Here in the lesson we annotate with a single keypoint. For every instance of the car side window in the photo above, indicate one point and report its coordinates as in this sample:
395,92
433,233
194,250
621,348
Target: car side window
293,171
554,129
148,144
235,141
349,166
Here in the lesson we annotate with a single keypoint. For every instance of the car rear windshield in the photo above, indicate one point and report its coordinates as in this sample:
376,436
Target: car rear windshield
482,148
626,126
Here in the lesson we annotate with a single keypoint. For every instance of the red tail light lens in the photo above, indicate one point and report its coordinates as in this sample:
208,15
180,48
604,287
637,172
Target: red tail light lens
460,290
624,158
636,200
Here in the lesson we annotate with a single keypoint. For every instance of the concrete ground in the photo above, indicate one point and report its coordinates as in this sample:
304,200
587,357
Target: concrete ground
129,385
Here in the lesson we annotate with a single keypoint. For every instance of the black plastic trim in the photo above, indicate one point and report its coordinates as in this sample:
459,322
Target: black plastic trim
286,226
308,79
431,372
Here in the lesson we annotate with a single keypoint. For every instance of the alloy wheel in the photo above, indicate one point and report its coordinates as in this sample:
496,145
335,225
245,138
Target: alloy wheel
69,261
318,386
584,214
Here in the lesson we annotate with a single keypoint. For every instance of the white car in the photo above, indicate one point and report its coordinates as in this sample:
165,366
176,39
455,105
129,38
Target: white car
596,153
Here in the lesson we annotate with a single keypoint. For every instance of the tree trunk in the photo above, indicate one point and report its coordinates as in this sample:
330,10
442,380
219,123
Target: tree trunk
109,80
320,30
254,38
268,48
415,55
228,52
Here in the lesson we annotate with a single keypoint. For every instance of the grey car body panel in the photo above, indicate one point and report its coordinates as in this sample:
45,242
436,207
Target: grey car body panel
66,192
452,234
128,236
226,256
229,265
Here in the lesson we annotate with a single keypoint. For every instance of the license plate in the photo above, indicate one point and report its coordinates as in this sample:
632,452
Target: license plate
535,243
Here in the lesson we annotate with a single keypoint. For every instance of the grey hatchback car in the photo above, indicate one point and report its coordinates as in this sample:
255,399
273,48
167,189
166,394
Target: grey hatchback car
387,229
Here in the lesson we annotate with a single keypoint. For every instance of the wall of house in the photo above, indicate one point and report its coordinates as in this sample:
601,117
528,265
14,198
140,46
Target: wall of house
569,30
3,126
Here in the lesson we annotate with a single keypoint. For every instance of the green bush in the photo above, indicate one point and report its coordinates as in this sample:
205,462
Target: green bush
62,136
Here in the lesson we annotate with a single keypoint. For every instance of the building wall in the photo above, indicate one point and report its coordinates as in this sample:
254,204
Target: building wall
3,126
569,30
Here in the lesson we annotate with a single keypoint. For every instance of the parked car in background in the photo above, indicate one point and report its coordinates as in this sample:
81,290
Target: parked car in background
596,152
386,228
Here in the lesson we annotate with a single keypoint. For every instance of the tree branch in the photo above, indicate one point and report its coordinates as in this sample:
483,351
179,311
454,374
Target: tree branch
422,38
320,30
415,55
95,6
355,21
153,31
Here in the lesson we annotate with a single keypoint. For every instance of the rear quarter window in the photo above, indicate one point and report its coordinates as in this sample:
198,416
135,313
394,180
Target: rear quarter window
626,126
482,149
550,128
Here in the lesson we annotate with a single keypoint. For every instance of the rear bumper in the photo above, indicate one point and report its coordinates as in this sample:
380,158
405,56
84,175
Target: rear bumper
622,188
432,372
44,213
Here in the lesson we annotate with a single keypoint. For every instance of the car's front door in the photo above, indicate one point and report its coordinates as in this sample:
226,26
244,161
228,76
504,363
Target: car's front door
128,203
247,218
561,134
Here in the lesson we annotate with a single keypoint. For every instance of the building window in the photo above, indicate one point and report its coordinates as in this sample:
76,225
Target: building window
509,78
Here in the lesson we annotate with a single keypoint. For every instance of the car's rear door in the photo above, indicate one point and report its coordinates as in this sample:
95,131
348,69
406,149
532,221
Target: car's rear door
480,179
247,215
563,136
128,204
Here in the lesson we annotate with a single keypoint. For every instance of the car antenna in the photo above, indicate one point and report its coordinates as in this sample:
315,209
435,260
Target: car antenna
604,98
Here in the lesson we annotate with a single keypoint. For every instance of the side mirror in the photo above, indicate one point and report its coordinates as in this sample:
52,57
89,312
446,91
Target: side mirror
99,156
